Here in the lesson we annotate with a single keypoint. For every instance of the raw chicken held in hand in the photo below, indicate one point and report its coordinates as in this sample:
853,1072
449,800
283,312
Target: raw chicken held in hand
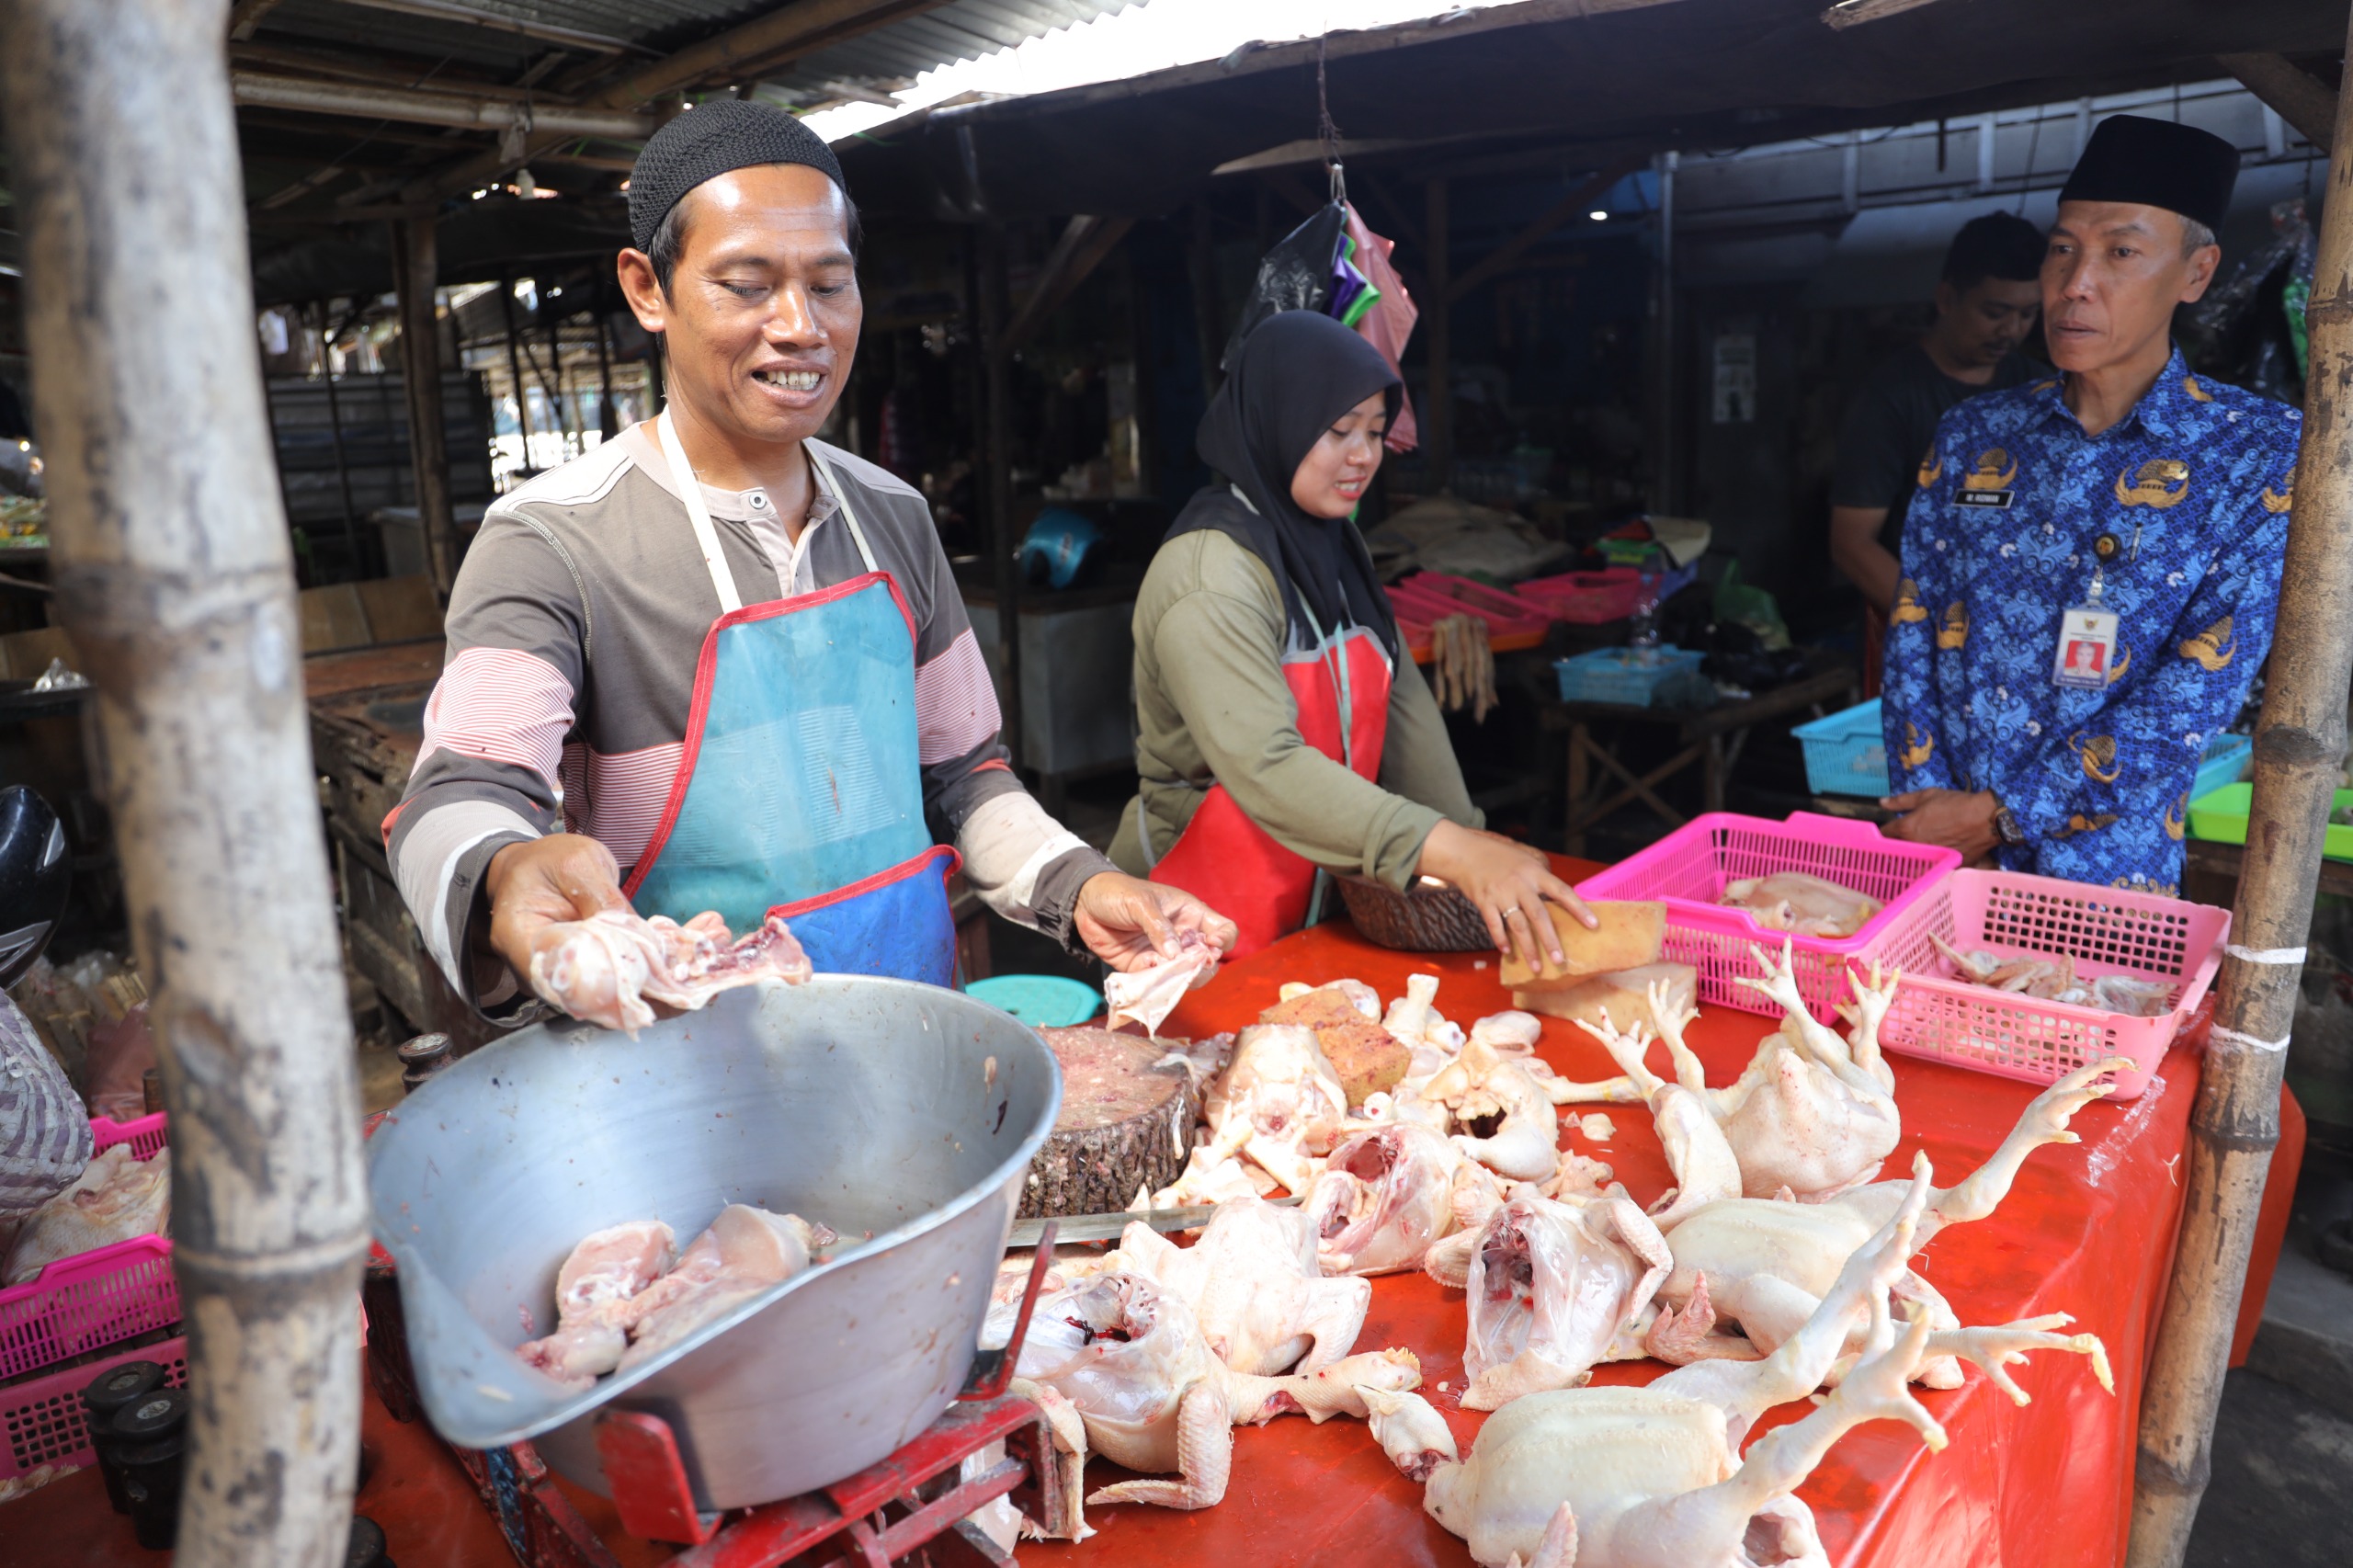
1801,904
591,1299
605,969
1149,995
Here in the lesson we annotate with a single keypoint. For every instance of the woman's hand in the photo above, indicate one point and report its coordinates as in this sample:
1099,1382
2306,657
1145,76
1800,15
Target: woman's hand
1510,883
1130,923
566,876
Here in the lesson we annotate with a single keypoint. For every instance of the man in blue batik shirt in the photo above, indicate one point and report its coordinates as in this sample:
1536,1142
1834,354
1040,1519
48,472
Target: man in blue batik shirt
2141,508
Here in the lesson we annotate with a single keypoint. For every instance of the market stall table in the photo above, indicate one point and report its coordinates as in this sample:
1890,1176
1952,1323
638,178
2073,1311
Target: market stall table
2088,1230
1712,739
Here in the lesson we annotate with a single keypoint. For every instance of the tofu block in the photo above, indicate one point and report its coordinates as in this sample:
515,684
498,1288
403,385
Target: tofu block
1625,995
1367,1057
1627,937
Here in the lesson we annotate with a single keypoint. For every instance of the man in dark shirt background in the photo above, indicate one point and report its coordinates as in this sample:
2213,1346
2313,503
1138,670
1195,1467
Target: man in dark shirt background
1987,303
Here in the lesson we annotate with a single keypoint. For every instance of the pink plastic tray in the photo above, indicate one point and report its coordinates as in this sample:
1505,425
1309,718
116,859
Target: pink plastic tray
1688,868
81,1303
2108,931
42,1422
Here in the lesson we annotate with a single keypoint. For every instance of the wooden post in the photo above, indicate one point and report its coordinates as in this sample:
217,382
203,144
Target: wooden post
418,274
334,432
997,470
1437,407
608,426
1200,263
2299,744
515,371
175,581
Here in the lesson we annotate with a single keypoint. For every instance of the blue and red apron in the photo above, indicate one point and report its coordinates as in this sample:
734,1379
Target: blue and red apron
800,789
1340,688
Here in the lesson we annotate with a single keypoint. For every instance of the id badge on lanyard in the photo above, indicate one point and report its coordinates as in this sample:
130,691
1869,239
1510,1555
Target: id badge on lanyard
2085,655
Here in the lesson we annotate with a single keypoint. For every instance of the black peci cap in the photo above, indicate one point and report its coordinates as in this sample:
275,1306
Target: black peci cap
2156,162
712,139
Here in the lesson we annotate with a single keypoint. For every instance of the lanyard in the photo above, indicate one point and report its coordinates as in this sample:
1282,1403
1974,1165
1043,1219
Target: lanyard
706,537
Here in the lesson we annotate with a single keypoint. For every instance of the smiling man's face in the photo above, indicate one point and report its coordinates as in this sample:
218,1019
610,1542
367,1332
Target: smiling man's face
761,319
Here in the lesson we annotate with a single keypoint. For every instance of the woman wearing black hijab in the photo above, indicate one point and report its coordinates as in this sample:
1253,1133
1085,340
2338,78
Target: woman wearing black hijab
1282,726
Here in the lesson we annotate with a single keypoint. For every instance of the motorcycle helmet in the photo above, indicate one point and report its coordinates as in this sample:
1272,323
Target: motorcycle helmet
35,876
1058,548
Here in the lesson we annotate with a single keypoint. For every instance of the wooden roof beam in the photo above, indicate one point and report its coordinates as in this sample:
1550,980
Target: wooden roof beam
467,112
2288,90
1578,200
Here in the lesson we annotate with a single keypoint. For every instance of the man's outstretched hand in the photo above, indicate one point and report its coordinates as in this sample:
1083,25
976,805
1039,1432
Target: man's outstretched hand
564,877
1131,924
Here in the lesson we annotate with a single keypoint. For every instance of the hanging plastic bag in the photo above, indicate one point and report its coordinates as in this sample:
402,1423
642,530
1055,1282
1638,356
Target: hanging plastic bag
1296,274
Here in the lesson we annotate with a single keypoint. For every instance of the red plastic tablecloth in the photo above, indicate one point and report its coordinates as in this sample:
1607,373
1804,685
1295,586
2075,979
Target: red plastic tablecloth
2087,1230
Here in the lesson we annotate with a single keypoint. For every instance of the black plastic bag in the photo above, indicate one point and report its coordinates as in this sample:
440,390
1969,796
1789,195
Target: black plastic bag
1296,274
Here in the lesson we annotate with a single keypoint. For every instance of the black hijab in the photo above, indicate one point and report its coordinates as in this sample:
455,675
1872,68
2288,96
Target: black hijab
1296,373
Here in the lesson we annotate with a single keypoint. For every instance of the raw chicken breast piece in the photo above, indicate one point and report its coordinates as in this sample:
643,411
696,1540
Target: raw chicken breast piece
606,969
745,1252
1801,904
593,1290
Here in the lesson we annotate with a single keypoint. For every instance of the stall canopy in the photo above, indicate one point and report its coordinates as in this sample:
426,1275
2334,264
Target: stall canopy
1606,77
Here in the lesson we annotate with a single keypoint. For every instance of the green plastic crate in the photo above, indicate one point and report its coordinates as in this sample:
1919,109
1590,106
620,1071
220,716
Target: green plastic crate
2221,818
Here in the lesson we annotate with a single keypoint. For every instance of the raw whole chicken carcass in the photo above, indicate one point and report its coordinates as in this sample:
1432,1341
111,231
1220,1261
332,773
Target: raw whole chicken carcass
1767,1263
1387,1195
1149,995
1507,1120
1810,1112
1553,1287
605,969
1126,1353
1801,904
117,1197
593,1291
1254,1288
1279,1096
745,1252
1654,1477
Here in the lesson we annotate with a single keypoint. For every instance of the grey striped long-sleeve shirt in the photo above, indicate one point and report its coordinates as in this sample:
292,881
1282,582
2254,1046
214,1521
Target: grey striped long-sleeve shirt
573,628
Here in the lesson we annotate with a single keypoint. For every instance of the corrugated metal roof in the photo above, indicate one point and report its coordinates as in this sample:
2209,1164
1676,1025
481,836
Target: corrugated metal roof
960,30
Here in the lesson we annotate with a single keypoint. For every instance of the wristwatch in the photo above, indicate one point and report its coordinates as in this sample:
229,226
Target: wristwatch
2008,825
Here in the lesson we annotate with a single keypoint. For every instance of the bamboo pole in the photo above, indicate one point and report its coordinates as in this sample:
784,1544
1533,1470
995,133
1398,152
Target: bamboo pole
174,576
2299,747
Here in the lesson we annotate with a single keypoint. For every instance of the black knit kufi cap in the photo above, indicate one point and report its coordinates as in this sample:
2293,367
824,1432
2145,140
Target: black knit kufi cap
2156,162
712,139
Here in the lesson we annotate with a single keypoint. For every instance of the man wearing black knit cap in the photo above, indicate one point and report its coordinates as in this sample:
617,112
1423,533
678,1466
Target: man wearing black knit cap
717,665
2053,680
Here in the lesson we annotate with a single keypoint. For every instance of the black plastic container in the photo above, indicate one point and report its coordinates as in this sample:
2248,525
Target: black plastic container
108,1392
367,1549
149,1441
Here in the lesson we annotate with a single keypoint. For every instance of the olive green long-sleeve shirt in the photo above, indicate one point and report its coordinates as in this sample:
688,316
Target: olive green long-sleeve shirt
1213,708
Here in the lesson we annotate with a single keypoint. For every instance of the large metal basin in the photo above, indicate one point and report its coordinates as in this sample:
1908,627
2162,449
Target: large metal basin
880,1107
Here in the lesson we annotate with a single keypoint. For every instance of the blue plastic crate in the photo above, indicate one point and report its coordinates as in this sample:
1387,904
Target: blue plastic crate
2225,763
1611,675
1845,754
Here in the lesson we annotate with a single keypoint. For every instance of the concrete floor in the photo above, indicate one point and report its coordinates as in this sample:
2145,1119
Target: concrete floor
2283,1490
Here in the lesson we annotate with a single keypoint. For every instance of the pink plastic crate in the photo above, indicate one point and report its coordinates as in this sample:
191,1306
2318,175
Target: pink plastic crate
81,1303
1688,870
42,1422
2108,930
1587,598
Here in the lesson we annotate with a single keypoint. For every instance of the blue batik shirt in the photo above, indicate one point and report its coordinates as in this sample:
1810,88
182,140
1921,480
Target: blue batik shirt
1999,542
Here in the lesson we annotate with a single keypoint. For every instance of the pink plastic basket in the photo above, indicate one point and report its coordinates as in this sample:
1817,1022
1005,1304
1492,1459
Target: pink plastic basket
82,1304
2108,931
1688,868
1587,598
42,1422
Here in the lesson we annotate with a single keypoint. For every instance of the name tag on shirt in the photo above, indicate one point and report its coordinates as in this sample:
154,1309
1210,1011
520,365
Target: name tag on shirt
1982,497
2086,650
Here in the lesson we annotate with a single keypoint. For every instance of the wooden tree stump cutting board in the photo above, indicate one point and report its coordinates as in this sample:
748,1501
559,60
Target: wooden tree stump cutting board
1124,1124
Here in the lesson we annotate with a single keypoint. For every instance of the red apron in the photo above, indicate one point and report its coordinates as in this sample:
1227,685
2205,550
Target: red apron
1341,691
